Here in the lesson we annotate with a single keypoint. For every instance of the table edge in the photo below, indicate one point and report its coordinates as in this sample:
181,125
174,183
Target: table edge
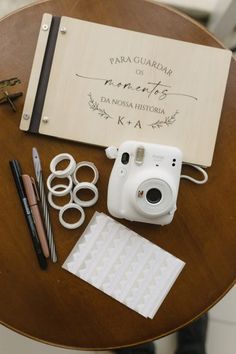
200,26
167,7
125,346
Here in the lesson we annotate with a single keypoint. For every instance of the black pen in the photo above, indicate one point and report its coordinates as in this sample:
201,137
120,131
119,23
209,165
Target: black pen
16,171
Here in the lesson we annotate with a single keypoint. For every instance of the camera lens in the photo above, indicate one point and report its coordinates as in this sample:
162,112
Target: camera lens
153,196
125,158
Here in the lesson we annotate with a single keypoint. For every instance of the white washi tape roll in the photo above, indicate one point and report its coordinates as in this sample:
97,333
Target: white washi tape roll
71,206
53,189
50,197
86,164
68,170
85,185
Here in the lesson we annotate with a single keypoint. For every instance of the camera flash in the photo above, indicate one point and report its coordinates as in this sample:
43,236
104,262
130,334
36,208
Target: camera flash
139,156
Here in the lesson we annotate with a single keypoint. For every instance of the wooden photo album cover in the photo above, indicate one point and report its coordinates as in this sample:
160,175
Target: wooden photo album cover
103,85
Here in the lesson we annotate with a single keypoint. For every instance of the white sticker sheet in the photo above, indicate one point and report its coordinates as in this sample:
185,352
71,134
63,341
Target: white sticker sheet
124,265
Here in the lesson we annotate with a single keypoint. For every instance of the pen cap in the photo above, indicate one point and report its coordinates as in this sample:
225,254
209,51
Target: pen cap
29,189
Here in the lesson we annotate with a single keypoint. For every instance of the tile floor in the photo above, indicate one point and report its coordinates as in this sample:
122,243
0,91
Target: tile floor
222,324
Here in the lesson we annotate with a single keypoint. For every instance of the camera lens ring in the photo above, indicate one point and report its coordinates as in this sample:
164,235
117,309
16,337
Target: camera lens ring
160,208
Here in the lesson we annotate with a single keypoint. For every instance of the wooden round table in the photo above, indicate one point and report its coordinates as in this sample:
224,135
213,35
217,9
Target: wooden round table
54,306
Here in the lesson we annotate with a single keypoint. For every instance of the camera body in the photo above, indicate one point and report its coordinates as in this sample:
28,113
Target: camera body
144,182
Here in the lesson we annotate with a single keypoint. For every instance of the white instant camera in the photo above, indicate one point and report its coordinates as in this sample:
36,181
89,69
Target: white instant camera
144,182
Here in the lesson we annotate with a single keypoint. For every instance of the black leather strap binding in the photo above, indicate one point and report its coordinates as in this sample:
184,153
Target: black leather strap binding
44,75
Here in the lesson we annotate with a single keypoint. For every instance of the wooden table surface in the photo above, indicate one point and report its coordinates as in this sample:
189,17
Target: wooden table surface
56,307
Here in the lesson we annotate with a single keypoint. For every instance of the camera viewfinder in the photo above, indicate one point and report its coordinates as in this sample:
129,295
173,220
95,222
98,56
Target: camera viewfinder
125,158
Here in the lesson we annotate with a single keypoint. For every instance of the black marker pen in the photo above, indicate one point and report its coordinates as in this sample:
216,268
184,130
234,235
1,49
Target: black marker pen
16,172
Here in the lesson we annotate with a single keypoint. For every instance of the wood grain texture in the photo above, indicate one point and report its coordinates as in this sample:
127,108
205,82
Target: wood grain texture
57,308
186,107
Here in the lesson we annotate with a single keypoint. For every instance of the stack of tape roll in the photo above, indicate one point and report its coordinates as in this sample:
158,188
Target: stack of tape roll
72,188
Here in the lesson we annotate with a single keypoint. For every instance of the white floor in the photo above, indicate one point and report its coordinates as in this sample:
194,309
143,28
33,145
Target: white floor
7,6
222,324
